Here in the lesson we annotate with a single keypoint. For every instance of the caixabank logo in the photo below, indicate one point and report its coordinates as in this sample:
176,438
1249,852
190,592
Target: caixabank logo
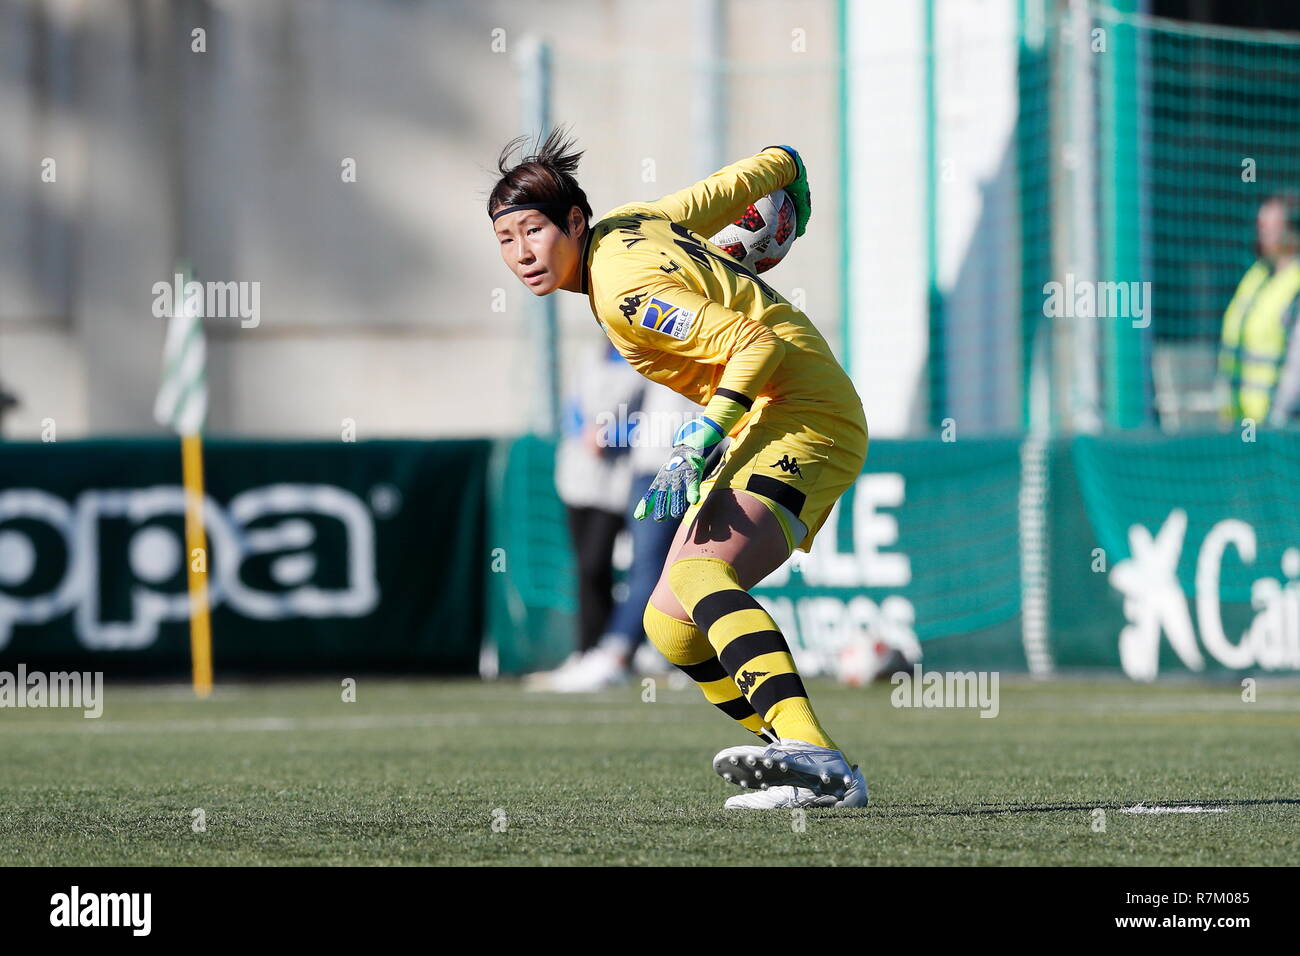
1155,603
115,560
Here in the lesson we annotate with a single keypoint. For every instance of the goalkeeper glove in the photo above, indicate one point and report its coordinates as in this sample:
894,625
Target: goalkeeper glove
797,190
678,482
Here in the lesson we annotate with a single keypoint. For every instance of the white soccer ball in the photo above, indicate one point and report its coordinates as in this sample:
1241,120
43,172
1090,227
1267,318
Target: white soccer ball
763,235
857,662
864,658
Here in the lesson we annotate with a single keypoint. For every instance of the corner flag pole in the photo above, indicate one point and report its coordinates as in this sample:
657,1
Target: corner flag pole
182,405
196,547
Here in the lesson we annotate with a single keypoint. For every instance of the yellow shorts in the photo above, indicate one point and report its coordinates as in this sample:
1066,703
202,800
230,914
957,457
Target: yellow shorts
799,458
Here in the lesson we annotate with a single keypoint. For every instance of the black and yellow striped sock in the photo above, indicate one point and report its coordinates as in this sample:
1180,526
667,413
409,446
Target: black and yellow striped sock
749,645
690,651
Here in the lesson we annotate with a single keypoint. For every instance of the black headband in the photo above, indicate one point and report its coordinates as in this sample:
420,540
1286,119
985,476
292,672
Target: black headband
543,206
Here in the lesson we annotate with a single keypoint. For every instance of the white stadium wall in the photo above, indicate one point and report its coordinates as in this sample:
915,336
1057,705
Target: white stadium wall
885,209
377,297
976,212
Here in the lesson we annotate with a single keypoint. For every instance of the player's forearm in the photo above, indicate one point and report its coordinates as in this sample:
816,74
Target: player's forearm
722,198
789,164
766,171
747,371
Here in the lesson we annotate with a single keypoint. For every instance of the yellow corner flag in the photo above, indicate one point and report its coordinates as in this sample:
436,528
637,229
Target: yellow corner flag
182,405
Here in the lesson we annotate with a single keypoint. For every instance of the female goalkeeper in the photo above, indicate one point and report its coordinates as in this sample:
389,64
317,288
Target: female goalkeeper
685,314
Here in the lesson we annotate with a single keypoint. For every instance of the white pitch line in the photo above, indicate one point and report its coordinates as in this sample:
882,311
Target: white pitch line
1156,705
1144,809
360,722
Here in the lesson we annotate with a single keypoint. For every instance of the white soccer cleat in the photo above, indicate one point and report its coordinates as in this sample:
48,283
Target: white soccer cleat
742,766
856,794
779,798
794,763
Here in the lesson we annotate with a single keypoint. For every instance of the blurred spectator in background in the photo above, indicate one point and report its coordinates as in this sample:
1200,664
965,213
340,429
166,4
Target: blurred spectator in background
8,402
1260,319
1285,407
593,479
662,411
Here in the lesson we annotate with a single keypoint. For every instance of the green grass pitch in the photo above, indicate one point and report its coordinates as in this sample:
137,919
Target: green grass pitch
412,772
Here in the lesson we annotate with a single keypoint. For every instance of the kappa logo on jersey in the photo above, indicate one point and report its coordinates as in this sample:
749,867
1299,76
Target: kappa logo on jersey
667,318
630,304
748,679
788,465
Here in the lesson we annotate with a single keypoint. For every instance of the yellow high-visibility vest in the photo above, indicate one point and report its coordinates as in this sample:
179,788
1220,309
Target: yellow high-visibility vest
1254,338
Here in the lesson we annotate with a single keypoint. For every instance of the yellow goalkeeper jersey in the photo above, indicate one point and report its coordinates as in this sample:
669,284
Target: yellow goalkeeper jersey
678,308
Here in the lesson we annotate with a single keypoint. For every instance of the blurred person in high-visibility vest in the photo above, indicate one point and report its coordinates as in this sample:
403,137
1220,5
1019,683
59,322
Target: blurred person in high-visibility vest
1285,409
1261,316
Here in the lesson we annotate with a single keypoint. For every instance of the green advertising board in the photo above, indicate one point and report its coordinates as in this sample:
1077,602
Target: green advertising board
322,555
1186,557
922,553
1139,554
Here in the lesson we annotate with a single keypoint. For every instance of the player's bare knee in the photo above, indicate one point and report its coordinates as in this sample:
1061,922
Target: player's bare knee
663,599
